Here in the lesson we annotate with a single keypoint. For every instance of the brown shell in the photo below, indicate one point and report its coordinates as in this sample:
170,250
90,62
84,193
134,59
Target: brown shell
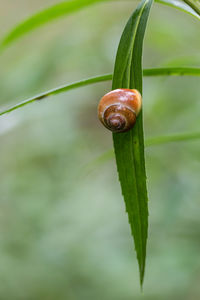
119,108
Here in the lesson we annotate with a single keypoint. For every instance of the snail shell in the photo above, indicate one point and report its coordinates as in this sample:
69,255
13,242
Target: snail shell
119,108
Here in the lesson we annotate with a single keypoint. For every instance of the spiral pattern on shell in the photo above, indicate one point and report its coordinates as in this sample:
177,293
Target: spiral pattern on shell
119,108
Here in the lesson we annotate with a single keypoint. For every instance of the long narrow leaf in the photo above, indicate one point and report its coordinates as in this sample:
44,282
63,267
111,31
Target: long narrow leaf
194,4
58,90
45,16
129,146
182,137
65,8
173,71
149,142
65,88
180,5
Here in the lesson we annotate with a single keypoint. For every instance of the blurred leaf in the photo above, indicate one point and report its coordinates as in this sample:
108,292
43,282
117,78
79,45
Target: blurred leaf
129,146
146,72
194,4
177,71
181,6
65,8
172,138
43,17
149,142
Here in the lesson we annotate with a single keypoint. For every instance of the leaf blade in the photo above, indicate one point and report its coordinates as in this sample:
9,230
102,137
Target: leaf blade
182,137
56,91
184,7
194,4
177,71
129,146
65,8
43,17
149,142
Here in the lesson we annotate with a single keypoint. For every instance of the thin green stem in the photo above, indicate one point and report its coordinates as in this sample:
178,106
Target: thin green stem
65,88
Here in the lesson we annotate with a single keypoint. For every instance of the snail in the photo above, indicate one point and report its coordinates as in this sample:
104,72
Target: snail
118,109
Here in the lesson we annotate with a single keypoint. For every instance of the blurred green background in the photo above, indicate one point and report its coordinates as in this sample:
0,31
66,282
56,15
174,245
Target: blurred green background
64,232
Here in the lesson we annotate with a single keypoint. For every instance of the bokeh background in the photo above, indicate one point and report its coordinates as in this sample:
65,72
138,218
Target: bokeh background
64,232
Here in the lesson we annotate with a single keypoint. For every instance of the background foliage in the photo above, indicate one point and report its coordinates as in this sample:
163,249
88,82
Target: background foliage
63,234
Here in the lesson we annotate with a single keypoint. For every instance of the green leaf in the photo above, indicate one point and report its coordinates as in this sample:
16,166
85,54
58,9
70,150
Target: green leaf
182,137
181,6
65,8
56,91
194,4
149,142
146,72
47,15
129,146
174,71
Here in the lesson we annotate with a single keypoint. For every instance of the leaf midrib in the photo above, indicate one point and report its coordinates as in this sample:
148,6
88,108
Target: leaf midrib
132,145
